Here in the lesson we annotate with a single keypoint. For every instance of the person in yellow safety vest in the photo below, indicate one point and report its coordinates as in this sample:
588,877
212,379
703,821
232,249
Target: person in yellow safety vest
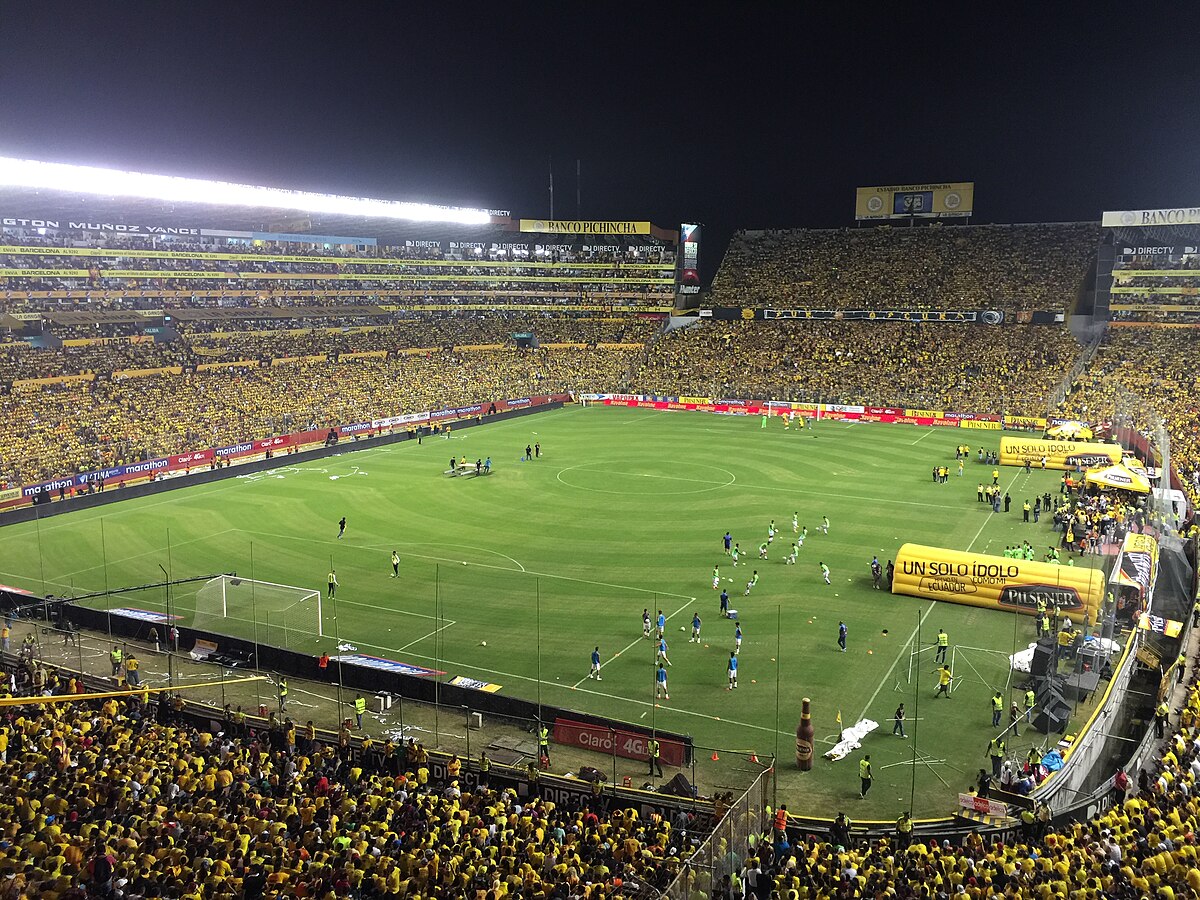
1030,703
865,776
995,750
1028,822
116,657
943,642
997,709
904,830
360,709
283,692
1160,719
653,751
485,769
1180,668
544,743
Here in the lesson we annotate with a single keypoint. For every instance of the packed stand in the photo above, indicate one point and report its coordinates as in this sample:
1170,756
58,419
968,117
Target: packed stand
125,799
1158,366
82,426
205,342
111,272
967,368
1159,287
1004,267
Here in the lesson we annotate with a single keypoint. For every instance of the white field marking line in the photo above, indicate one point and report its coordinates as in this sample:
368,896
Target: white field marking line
465,547
717,484
922,437
113,509
646,417
34,578
377,609
633,644
435,631
623,587
157,603
668,477
921,621
113,562
832,495
686,712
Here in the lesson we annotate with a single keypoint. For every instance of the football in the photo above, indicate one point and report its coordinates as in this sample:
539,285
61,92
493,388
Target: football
483,643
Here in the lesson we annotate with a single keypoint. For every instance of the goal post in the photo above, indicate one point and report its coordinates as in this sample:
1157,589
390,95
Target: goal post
982,666
291,615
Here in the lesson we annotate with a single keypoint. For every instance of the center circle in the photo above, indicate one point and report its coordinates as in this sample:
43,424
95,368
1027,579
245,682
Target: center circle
615,478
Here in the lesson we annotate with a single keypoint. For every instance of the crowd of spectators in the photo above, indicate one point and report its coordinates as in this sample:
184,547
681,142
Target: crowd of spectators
121,800
279,274
1171,296
1146,374
1004,369
202,342
1003,267
81,426
126,798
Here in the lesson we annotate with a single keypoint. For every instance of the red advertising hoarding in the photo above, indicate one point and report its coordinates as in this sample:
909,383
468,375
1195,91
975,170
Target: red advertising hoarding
627,744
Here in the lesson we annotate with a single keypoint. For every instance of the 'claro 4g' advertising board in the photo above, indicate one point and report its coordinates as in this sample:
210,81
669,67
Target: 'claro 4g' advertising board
997,582
1016,451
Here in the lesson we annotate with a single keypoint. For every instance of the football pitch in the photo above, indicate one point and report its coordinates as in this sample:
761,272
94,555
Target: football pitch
624,510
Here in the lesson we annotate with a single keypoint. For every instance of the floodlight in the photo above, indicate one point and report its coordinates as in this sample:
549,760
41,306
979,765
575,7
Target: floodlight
112,182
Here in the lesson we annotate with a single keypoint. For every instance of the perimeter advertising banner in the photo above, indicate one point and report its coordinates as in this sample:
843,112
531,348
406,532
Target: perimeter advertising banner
1144,218
689,260
903,201
1016,451
577,226
618,741
996,582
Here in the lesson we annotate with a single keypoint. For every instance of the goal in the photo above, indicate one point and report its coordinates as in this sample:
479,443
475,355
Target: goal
278,614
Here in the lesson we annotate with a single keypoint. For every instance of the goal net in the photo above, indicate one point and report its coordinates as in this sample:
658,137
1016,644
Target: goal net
279,614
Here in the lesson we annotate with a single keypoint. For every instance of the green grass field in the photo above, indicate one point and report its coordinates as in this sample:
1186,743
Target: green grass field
624,511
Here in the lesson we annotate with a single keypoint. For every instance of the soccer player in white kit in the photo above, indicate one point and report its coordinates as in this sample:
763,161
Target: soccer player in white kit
716,577
791,560
795,522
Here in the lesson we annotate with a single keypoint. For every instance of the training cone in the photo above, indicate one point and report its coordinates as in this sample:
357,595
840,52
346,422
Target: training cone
714,756
753,758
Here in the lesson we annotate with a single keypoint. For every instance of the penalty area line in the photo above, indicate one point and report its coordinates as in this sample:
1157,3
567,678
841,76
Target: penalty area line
623,587
632,644
924,616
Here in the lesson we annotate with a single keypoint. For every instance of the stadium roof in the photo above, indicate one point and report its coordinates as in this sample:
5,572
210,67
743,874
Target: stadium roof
64,193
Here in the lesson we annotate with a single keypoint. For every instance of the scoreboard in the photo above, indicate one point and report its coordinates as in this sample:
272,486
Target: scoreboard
904,201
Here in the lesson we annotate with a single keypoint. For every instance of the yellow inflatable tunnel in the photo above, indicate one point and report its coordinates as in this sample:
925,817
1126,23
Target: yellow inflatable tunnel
1016,451
996,582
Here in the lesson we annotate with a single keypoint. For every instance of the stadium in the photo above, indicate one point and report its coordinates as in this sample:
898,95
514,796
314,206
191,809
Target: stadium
453,485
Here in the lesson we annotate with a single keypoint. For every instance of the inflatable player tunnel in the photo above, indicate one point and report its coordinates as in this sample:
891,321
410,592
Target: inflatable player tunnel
1015,451
996,582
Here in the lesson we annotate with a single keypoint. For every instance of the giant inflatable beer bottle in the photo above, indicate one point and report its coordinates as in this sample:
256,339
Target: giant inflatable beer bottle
804,739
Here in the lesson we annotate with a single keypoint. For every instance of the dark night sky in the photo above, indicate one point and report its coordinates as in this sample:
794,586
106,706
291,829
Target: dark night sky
753,118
